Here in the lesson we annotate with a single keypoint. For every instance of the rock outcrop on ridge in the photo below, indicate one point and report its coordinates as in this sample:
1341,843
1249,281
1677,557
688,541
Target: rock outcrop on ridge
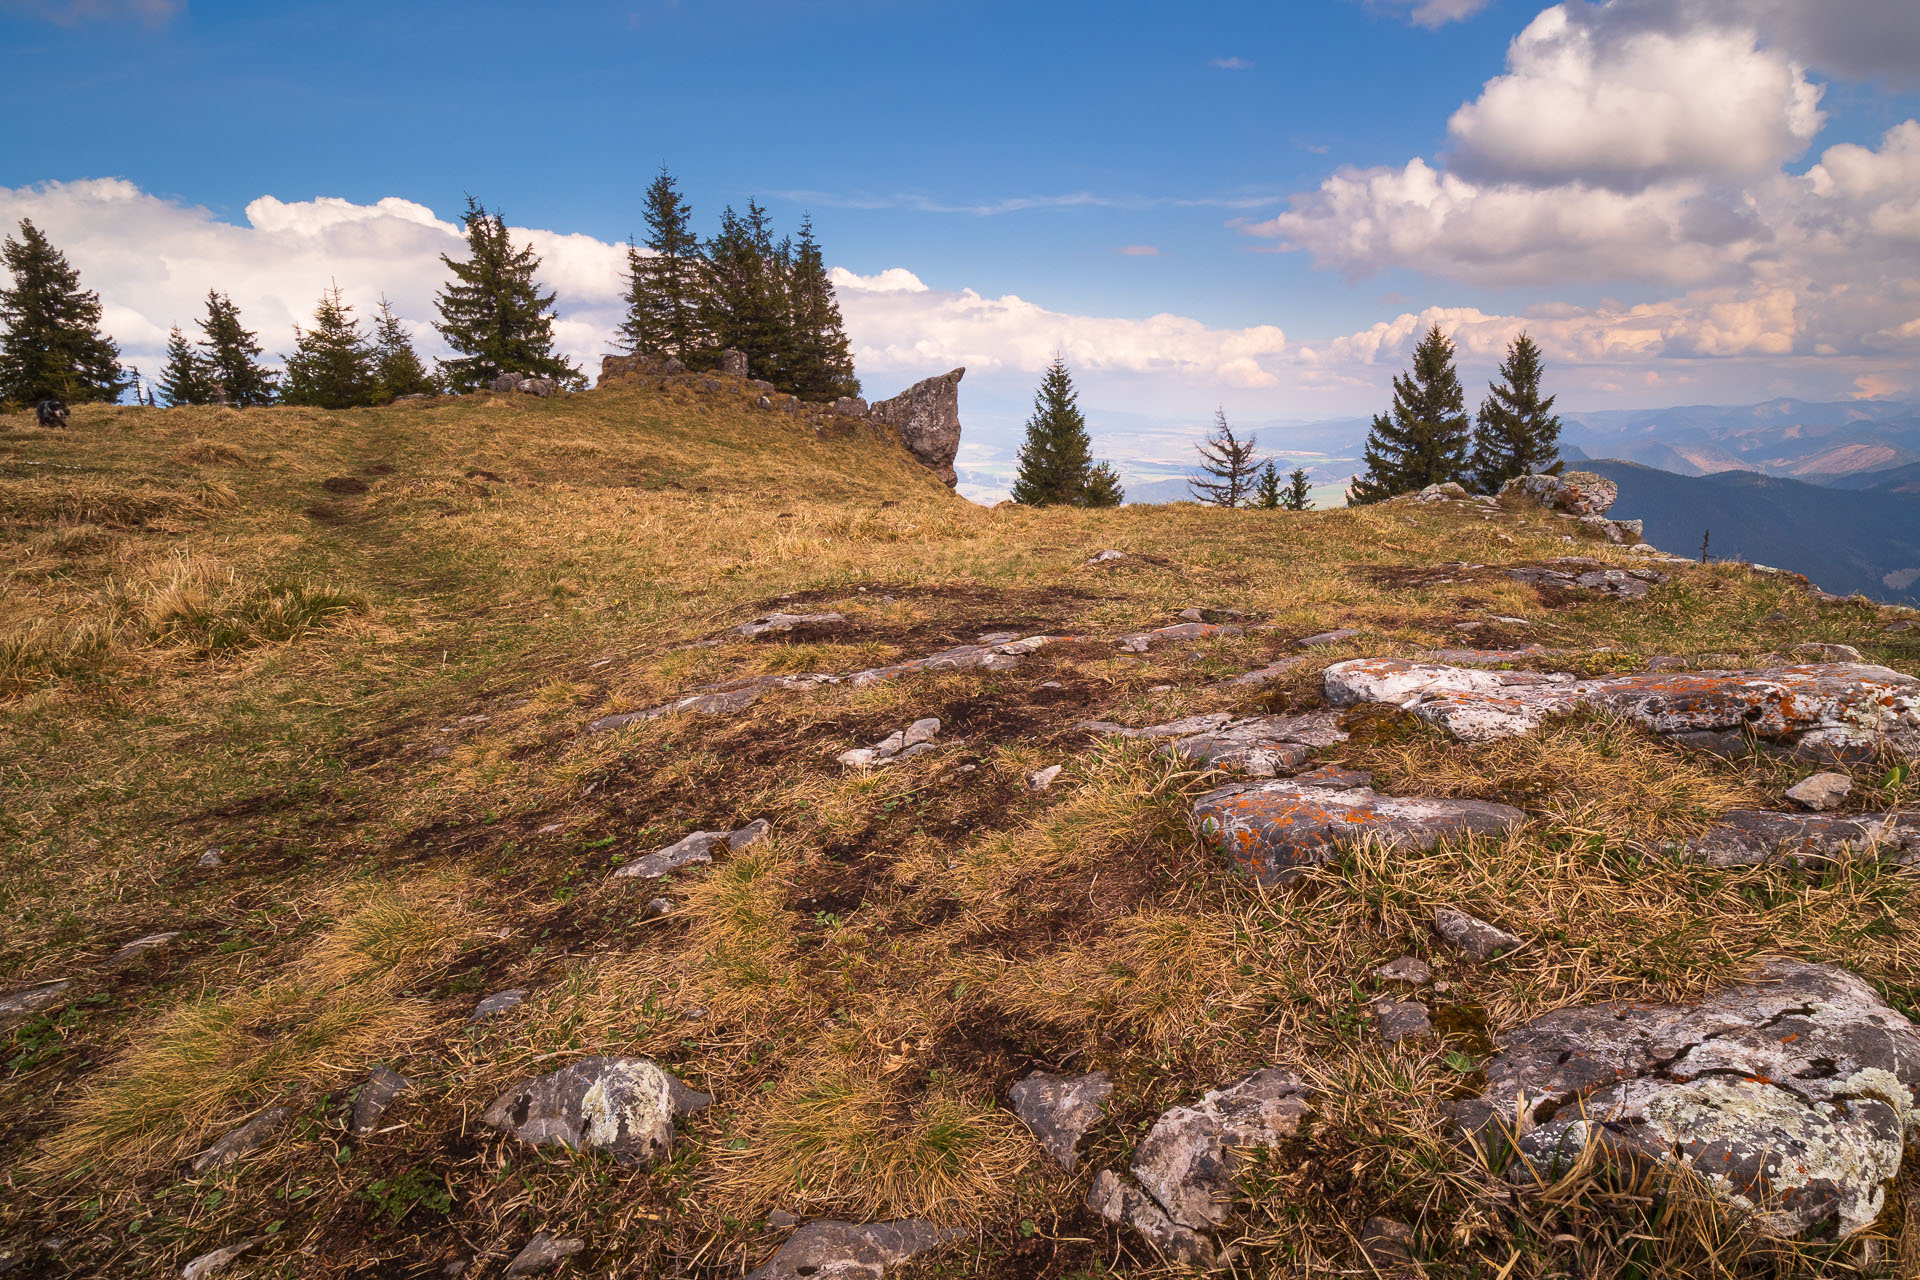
927,415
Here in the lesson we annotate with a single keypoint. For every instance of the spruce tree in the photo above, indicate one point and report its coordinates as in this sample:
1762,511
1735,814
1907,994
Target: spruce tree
820,366
184,378
1056,462
1298,493
398,369
1103,487
333,364
746,294
1229,460
493,313
1423,440
665,289
1515,432
51,347
1266,493
231,356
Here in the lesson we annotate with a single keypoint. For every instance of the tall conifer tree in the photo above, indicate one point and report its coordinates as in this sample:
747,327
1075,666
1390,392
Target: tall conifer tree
1229,460
184,378
51,347
665,288
1423,440
1298,495
1515,432
493,313
398,369
746,295
231,355
1266,491
820,366
333,363
1056,461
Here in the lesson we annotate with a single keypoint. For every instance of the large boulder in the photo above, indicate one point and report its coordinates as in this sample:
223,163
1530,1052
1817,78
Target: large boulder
1577,493
733,363
1822,711
927,415
1790,1096
623,1106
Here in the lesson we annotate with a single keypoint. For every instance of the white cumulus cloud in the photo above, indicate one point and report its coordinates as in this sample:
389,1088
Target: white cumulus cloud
1435,13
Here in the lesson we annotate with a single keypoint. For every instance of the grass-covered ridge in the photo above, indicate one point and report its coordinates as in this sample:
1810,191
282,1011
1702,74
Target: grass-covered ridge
356,651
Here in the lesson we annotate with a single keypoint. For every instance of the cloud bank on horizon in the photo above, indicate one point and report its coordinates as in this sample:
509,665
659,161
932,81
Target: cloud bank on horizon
1655,147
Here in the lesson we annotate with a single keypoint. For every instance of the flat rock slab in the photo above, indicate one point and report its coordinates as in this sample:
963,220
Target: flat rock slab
692,850
1822,711
1267,674
497,1003
248,1137
1273,830
1325,638
139,947
623,1106
1141,641
1263,746
777,623
30,1000
1789,1096
1627,583
829,1250
1755,837
1060,1110
1186,1169
1821,791
373,1098
1402,1020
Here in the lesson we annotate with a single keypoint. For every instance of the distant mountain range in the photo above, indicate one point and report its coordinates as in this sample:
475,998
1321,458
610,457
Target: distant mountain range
1800,439
1858,539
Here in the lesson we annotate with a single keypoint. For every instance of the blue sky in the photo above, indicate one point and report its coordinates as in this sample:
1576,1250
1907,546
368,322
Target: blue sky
1634,180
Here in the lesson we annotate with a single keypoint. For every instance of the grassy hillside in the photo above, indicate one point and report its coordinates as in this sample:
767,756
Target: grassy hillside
355,653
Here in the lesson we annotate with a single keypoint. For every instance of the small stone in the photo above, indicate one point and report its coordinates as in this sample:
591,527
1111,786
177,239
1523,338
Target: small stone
1060,1110
208,1263
1813,652
780,1219
542,1252
1402,1020
32,999
1778,615
1051,684
1326,638
1895,628
1408,969
1106,557
891,745
551,828
849,1251
1190,1160
1191,615
1041,779
497,1003
858,758
1473,935
655,908
922,731
1387,1245
693,850
211,858
371,1100
1821,791
751,834
249,1136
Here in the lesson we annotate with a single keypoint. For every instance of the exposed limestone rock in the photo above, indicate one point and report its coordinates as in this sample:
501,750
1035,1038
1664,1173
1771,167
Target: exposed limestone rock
1332,775
371,1100
211,858
830,1250
733,362
1573,573
139,947
1141,641
497,1003
1273,830
210,1263
540,1253
1268,674
1619,532
927,415
1041,779
1408,969
1325,638
1814,652
1262,745
1790,1096
32,999
1821,791
696,849
1402,1020
238,1142
1060,1110
1751,837
1473,935
1445,491
902,744
1106,557
1489,657
1187,1164
623,1106
1577,493
1837,711
850,407
783,622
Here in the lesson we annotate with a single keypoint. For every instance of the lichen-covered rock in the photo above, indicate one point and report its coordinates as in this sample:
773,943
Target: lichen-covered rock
829,1250
1402,1020
1273,830
1790,1096
1189,1159
623,1106
1122,1203
1060,1110
927,415
1822,711
1576,493
1573,574
733,362
1753,837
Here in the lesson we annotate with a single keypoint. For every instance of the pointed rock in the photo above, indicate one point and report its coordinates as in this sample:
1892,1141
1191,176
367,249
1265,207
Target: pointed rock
373,1098
208,1264
1473,935
1060,1110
